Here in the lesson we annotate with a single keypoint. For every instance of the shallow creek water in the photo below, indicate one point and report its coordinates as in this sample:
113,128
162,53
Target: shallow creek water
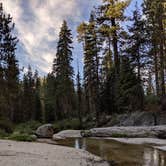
123,154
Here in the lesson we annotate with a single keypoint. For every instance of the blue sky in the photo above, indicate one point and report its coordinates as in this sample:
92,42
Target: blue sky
37,26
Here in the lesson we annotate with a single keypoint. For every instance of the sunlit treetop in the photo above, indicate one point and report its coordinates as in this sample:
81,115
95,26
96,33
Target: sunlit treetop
115,8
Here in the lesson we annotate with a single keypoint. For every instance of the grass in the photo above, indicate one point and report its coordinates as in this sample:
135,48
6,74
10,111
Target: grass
19,132
21,137
25,131
27,128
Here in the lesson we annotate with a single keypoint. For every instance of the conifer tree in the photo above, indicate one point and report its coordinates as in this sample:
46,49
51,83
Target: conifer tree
38,106
63,72
131,94
50,98
137,42
79,98
88,34
28,103
8,65
154,11
111,13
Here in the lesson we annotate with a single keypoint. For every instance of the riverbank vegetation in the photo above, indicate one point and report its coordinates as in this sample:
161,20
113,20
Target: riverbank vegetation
123,71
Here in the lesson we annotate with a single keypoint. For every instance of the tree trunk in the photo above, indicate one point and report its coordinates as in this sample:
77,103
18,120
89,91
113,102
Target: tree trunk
162,77
156,70
115,47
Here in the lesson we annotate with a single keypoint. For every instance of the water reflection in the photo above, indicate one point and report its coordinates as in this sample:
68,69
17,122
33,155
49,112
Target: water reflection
154,157
124,154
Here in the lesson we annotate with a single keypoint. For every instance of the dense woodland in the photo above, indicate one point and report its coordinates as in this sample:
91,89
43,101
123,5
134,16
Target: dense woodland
124,67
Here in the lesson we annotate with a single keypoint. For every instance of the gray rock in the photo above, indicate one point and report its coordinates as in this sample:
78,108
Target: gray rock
137,119
67,134
56,137
131,132
161,118
34,137
45,131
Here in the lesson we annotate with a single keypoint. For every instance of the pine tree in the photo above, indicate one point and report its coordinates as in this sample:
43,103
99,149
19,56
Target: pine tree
9,66
111,13
88,34
28,102
107,64
38,106
137,42
154,11
50,98
131,94
79,98
63,72
108,94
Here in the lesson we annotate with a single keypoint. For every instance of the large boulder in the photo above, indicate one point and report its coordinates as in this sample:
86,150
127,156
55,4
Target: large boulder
45,131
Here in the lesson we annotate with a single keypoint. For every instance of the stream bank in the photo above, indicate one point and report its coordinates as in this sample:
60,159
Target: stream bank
14,153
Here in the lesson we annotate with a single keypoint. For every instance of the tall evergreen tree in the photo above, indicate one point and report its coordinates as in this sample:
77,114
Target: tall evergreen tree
38,106
137,42
111,13
50,98
131,94
88,34
28,102
63,72
8,65
79,98
154,11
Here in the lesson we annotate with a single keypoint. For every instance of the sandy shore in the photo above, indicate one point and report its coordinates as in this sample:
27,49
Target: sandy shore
40,154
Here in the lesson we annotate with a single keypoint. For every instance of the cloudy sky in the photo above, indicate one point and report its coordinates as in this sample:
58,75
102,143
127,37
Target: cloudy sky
37,26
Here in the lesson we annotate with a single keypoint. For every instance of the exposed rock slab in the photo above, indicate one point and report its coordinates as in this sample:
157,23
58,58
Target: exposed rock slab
133,132
139,141
138,118
67,134
36,154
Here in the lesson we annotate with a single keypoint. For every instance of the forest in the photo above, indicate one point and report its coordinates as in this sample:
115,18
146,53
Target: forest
124,68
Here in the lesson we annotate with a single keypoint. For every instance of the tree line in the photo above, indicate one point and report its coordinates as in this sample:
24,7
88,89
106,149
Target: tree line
124,64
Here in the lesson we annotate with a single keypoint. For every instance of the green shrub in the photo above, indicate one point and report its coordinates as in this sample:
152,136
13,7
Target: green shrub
67,124
6,125
3,134
21,137
152,99
27,128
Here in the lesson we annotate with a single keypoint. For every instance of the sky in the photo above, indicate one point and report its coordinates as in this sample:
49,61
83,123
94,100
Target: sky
37,25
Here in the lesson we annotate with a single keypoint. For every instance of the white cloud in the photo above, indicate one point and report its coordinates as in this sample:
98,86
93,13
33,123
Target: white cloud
38,23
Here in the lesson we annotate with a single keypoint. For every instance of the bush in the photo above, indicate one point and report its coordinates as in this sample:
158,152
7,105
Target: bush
152,99
152,103
27,128
21,137
3,134
67,124
6,125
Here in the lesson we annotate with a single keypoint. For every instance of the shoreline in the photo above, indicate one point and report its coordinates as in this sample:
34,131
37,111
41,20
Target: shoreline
14,153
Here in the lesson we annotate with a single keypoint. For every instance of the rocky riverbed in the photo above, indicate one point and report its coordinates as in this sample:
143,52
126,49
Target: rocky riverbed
40,154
